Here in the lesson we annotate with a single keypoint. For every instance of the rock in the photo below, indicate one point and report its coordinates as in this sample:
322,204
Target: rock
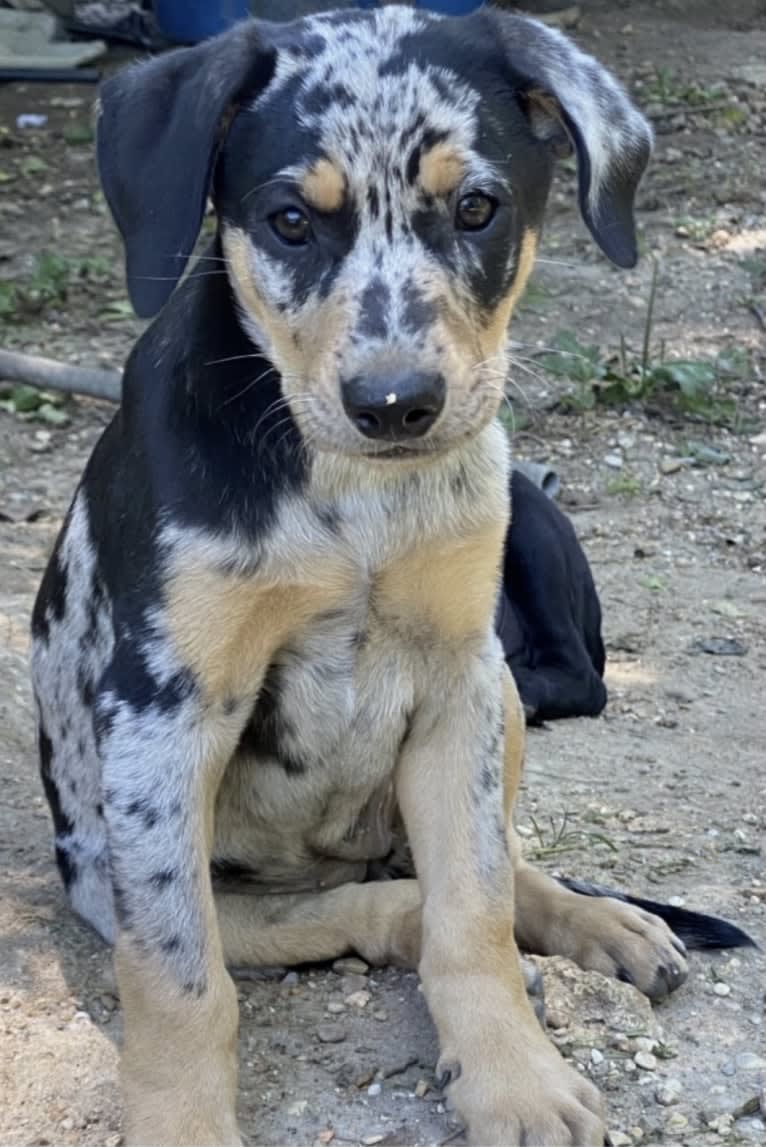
596,1056
581,1000
358,999
289,979
330,1033
620,1139
335,1007
677,1121
555,1020
613,461
749,1061
645,1060
722,989
298,1108
669,1092
350,966
375,1089
644,1043
380,1014
421,1088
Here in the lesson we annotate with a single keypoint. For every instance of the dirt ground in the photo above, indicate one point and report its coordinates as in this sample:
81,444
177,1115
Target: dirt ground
664,795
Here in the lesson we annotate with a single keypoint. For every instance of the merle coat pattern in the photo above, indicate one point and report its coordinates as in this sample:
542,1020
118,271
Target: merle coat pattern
265,638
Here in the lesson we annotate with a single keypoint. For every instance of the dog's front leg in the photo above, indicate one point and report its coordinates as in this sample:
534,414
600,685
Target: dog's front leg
506,1080
162,767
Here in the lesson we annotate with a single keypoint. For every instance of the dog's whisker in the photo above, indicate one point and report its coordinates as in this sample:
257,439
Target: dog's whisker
249,386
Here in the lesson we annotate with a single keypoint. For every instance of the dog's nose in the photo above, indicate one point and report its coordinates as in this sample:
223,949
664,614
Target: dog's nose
394,406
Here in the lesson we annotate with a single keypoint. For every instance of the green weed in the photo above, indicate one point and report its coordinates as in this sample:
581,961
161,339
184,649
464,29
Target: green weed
691,385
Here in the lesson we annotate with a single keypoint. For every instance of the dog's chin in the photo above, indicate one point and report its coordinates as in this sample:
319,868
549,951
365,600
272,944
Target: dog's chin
391,452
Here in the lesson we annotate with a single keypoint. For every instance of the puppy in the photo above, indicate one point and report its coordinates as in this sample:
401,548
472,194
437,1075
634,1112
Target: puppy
266,635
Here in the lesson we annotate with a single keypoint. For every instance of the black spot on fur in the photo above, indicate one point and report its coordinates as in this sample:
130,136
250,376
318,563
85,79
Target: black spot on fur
172,944
163,878
373,202
374,309
62,824
143,808
266,732
320,98
389,224
330,516
419,312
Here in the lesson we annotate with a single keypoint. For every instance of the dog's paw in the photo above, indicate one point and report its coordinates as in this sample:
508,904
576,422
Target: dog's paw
624,941
519,1093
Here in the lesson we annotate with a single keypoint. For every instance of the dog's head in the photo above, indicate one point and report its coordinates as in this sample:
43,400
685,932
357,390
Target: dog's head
379,179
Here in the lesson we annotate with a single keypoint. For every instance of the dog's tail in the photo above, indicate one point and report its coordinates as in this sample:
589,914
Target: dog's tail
696,929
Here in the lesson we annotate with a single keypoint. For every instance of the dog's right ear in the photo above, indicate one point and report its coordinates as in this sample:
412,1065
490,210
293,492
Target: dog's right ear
160,126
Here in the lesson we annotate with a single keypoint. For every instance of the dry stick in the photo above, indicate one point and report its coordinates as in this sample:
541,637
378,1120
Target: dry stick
51,375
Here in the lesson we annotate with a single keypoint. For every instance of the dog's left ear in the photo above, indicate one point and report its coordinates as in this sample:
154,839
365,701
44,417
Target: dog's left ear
564,88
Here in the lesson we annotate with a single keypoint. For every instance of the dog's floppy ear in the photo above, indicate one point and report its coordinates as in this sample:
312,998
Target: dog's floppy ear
562,86
160,125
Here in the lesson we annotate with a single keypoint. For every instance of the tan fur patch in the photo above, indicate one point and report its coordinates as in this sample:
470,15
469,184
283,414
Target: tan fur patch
226,629
450,586
493,334
179,1060
324,186
441,169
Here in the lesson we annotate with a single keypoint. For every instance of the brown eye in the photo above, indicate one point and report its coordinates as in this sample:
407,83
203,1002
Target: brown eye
292,226
475,211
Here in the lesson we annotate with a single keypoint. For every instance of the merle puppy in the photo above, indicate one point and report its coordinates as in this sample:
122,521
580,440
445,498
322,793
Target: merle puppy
265,640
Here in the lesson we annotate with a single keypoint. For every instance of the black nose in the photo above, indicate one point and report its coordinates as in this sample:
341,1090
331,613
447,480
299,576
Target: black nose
394,406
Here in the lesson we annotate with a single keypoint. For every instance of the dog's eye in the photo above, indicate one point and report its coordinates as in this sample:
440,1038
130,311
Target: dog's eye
292,226
475,211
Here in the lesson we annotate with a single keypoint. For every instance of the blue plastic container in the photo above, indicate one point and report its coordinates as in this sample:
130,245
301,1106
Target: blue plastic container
189,21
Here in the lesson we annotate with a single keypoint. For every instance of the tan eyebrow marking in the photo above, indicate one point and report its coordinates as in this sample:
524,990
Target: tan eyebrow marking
441,169
324,186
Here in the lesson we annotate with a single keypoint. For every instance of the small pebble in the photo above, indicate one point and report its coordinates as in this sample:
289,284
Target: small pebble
645,1043
677,1121
421,1088
335,1007
669,1093
596,1056
350,966
645,1060
330,1033
613,461
620,1139
722,989
374,1089
358,999
381,1014
556,1019
290,978
298,1108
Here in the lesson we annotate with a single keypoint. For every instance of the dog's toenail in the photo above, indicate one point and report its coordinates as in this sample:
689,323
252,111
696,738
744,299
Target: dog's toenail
447,1073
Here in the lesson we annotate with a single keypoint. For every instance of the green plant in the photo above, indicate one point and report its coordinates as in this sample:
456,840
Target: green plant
29,403
693,385
626,483
49,282
560,838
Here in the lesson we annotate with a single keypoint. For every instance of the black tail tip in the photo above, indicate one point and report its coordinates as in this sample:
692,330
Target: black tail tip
697,930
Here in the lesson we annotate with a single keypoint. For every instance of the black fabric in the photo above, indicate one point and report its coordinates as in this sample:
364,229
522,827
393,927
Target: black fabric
549,615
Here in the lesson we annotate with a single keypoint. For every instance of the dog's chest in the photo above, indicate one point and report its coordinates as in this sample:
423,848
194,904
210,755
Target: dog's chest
311,786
